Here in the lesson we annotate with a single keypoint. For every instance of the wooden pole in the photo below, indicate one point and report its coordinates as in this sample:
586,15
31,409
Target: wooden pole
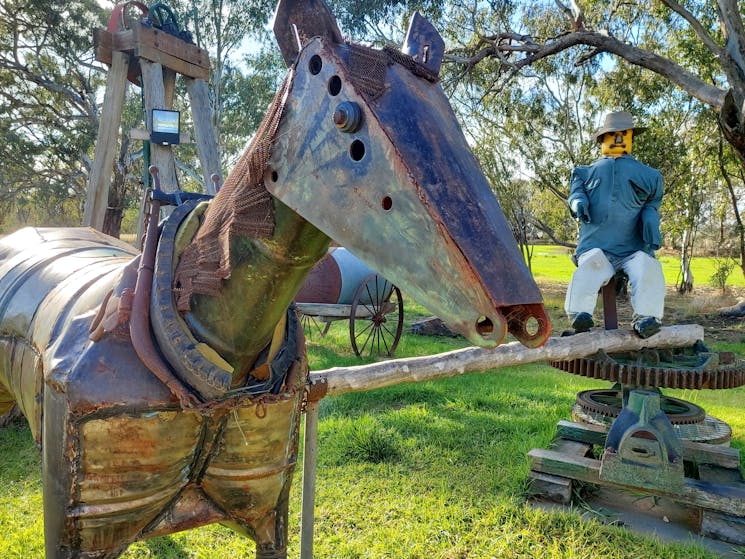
169,87
204,132
99,181
341,380
310,445
155,98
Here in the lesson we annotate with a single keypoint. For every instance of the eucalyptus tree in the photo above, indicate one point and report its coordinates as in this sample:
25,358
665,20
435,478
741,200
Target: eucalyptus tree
227,29
697,46
48,104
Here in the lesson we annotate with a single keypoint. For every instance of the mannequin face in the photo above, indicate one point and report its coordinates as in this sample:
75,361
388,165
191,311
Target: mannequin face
616,143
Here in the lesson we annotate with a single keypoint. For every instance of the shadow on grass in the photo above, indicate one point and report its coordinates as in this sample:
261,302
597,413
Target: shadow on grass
21,461
166,547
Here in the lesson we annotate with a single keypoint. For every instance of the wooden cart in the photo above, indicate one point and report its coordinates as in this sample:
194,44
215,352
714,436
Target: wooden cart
375,315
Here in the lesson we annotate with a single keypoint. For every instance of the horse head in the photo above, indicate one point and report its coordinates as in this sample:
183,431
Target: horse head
369,150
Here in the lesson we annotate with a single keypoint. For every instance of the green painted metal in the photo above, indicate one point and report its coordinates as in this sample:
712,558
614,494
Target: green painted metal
642,448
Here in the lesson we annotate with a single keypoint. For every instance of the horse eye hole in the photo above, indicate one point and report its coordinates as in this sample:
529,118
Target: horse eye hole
334,85
315,64
357,150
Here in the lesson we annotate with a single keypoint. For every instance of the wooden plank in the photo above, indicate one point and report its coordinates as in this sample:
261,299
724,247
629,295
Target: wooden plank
204,132
712,454
572,448
331,311
102,45
700,453
341,380
124,40
554,488
170,45
99,180
582,432
164,59
160,156
723,527
714,496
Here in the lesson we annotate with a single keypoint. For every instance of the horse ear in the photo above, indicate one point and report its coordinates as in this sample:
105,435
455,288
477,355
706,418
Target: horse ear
297,21
424,43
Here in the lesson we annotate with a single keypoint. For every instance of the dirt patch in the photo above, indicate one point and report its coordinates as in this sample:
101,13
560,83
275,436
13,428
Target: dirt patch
700,307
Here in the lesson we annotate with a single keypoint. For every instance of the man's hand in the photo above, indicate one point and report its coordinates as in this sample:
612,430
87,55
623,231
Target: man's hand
581,211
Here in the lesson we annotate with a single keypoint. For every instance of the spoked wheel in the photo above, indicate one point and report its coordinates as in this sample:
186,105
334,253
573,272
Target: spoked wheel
377,317
313,326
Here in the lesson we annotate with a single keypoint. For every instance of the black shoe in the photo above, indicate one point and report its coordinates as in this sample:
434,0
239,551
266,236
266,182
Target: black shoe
646,326
582,322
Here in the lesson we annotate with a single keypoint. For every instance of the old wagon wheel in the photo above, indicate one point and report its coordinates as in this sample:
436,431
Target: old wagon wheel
313,325
377,317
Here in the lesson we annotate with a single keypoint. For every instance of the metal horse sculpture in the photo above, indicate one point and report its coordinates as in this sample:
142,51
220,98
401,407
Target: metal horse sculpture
166,396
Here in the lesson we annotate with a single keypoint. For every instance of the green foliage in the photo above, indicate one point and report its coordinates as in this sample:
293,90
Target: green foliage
363,439
723,267
49,85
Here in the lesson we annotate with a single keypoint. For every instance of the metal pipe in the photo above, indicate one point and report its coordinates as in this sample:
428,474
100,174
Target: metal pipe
139,322
310,446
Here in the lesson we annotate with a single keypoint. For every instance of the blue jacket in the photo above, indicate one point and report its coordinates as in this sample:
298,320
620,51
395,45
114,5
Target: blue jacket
623,197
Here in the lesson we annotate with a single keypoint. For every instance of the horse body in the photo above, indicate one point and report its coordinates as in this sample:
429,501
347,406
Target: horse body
122,460
360,146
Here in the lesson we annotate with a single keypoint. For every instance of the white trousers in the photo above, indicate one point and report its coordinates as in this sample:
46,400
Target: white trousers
594,270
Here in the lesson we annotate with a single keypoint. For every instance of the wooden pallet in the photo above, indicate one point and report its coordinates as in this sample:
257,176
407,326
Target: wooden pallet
717,490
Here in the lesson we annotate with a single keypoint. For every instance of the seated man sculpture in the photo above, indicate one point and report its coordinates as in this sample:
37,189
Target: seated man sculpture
616,200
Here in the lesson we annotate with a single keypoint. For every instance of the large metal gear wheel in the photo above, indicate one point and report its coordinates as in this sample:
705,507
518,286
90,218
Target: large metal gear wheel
692,368
609,403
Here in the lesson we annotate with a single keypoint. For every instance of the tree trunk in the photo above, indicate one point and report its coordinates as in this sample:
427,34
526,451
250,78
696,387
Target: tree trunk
733,194
112,221
686,276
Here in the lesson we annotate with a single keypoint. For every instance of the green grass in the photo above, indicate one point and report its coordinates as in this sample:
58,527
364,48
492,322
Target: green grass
433,470
552,263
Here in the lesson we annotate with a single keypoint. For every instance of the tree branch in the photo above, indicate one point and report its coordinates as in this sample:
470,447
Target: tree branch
695,24
734,50
692,84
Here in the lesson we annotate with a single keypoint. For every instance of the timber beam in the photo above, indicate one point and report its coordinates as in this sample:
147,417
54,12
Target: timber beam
341,380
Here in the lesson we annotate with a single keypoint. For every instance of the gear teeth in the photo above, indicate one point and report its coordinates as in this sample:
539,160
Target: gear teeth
608,404
729,373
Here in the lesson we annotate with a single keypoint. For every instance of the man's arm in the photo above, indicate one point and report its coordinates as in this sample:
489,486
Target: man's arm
579,204
650,215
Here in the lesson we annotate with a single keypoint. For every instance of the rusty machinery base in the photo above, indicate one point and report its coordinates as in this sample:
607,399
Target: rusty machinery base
648,442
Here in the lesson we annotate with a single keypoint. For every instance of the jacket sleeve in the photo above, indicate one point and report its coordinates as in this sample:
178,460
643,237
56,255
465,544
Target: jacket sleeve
650,216
577,191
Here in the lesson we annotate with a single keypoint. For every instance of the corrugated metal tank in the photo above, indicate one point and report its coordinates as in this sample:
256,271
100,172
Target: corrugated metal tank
334,279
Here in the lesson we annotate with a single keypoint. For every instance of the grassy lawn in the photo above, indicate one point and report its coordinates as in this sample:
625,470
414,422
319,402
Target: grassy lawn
551,262
434,470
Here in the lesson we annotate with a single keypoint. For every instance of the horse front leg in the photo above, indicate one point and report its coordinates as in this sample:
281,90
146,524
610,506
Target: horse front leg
62,538
274,526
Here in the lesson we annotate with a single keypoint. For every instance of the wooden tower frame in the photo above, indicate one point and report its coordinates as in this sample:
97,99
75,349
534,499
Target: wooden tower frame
155,57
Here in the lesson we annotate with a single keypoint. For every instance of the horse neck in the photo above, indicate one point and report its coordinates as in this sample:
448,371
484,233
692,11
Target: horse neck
266,274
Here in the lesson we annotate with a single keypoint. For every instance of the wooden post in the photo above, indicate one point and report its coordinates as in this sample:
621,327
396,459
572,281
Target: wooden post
154,90
341,380
99,180
169,87
204,132
610,312
310,446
